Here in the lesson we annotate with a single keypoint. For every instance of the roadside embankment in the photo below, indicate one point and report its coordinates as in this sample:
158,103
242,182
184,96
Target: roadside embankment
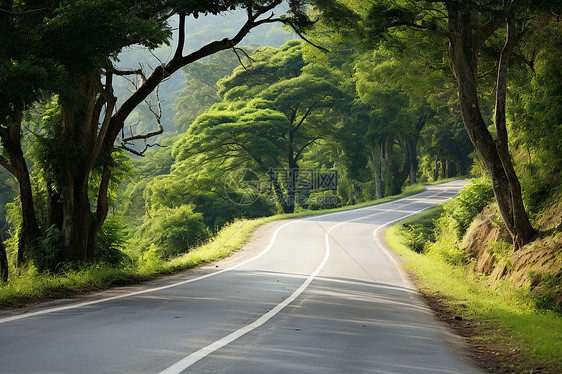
505,303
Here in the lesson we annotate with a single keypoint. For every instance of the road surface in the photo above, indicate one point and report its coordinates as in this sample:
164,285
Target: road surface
313,295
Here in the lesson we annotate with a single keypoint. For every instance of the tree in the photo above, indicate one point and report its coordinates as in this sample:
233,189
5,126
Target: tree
289,113
3,261
68,49
468,26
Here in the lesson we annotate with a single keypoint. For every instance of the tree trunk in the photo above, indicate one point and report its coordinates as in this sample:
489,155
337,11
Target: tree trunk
376,164
285,206
29,231
3,262
451,169
101,212
464,40
523,229
80,130
410,150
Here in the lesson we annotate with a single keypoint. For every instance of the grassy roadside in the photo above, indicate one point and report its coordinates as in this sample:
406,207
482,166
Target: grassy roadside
30,286
523,339
439,181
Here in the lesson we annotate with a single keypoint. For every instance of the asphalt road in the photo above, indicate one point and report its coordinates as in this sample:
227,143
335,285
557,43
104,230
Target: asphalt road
313,295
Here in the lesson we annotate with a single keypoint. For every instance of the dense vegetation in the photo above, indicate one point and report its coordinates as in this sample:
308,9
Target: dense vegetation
112,164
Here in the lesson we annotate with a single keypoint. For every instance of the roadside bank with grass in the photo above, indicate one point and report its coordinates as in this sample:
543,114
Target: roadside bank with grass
503,320
28,285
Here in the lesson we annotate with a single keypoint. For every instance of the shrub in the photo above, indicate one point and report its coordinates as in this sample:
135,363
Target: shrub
219,210
546,291
47,256
416,237
172,231
447,245
323,200
472,199
111,241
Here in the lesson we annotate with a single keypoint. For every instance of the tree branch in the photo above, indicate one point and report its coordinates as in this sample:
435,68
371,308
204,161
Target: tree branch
303,37
177,62
6,164
25,12
157,116
139,153
308,112
305,146
181,40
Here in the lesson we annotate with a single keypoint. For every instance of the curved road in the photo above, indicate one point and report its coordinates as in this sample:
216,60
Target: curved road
319,295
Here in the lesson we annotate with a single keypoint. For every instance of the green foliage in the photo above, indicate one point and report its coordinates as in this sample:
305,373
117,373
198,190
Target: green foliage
112,241
447,246
546,291
505,314
219,210
76,34
13,217
417,234
8,191
472,199
49,250
323,200
416,237
171,231
201,90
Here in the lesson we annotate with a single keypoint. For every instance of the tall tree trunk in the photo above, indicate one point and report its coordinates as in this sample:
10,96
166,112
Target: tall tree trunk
375,160
451,169
3,261
101,211
410,150
465,33
278,190
524,232
80,130
291,190
29,232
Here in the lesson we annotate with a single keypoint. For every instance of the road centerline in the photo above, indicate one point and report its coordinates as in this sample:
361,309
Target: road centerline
200,354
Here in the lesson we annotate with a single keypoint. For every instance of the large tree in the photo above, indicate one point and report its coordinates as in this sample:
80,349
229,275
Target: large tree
268,133
468,26
69,49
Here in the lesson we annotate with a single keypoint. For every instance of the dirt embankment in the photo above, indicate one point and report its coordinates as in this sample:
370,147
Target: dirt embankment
489,243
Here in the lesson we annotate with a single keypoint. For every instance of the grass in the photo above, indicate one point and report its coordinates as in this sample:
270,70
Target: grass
505,315
439,181
28,285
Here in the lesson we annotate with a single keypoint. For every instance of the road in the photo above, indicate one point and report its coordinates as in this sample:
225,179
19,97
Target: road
313,295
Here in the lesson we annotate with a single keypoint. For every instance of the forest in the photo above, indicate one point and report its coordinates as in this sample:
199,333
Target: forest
138,136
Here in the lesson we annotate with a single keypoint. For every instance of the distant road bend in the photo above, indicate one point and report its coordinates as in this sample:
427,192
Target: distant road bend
321,295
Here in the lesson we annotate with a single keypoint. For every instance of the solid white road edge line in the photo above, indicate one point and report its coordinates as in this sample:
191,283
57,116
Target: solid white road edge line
188,361
93,302
387,252
191,359
87,303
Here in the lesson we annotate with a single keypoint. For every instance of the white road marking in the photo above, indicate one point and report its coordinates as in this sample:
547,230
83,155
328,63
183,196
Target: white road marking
193,358
136,293
188,361
387,252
